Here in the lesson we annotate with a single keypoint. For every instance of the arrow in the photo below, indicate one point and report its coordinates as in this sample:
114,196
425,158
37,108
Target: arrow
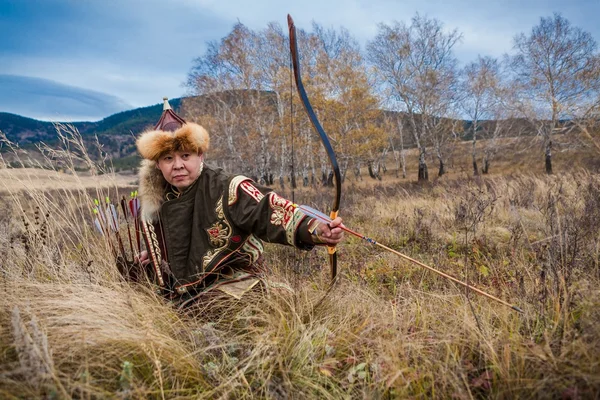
311,212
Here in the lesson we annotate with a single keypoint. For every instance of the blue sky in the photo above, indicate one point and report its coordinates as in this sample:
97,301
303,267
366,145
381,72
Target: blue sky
65,60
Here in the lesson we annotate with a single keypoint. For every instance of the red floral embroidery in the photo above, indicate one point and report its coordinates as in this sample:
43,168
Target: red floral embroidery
247,187
283,210
217,234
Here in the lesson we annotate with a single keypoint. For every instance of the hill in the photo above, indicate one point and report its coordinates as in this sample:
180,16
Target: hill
116,133
26,131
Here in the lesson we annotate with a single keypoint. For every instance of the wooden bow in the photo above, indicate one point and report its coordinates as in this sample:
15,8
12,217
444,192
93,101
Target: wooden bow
324,139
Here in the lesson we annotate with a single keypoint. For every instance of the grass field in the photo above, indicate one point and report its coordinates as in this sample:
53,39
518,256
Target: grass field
72,328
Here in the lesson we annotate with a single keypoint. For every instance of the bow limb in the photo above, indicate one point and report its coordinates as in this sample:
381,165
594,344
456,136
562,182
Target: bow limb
324,139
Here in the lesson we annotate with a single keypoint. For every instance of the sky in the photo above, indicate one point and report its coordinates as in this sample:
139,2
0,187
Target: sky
83,60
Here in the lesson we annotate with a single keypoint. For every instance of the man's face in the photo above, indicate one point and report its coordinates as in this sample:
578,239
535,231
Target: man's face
180,168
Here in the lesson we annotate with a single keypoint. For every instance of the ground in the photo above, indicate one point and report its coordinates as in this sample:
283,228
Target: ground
72,328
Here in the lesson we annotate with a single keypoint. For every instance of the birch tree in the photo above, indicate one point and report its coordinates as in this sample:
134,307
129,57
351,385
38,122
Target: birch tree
418,71
347,106
233,66
480,88
393,125
555,68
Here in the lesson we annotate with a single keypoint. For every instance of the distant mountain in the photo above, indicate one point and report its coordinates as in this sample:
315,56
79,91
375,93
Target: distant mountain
117,132
26,131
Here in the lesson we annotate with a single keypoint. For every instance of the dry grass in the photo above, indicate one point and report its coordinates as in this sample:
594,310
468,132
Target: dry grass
71,328
514,156
39,179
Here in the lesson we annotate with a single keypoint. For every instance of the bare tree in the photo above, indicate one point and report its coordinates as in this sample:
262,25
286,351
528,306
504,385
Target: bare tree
227,64
242,76
344,98
555,68
444,132
480,87
417,68
273,64
393,124
492,130
227,78
588,121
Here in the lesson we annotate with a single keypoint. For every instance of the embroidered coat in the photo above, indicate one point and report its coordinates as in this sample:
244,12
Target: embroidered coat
213,232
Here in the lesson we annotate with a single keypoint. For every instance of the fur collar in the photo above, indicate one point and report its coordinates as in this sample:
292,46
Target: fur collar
152,190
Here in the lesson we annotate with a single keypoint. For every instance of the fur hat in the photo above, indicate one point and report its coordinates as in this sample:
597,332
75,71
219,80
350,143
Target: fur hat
154,143
170,134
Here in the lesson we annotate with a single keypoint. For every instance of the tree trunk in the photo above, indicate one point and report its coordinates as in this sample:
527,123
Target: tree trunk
423,173
403,161
283,158
344,170
375,174
486,165
442,168
382,161
549,157
474,150
330,179
293,180
357,172
402,152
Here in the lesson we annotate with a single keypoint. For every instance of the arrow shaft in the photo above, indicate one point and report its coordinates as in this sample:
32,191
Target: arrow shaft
323,218
124,208
453,279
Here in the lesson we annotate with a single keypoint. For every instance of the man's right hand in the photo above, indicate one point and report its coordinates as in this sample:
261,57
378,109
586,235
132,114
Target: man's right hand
142,258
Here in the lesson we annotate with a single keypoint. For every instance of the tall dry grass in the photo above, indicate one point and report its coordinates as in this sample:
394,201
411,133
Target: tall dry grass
72,328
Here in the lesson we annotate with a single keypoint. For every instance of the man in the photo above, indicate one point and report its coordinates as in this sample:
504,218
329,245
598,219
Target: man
204,228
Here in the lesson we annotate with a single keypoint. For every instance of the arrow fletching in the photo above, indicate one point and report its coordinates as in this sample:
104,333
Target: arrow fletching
98,226
311,212
112,217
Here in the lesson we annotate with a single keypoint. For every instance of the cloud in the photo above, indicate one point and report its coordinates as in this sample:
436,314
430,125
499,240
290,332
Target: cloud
138,85
136,50
48,100
142,50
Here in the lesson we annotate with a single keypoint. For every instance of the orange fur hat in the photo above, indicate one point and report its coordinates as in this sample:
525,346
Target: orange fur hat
170,134
191,137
